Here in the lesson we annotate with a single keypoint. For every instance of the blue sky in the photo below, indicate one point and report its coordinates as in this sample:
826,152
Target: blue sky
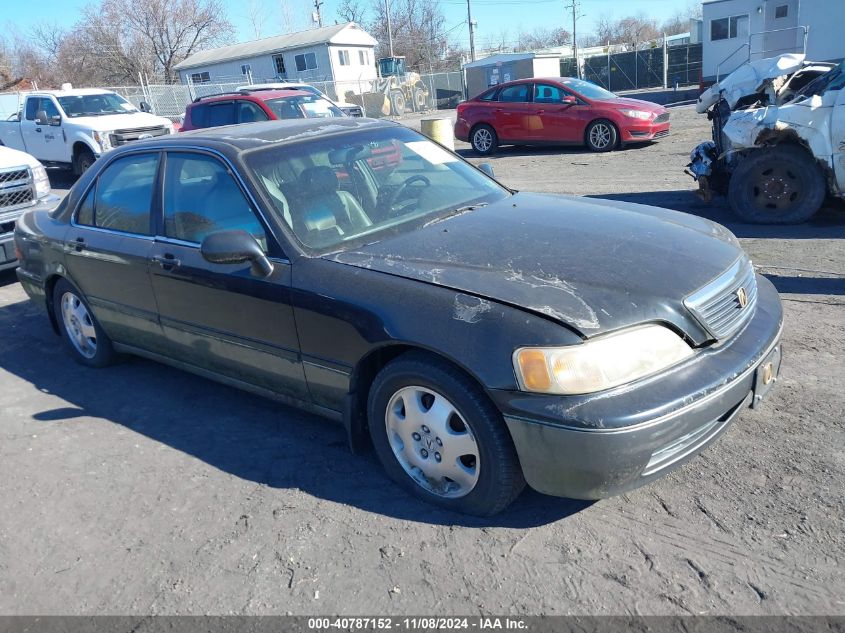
493,16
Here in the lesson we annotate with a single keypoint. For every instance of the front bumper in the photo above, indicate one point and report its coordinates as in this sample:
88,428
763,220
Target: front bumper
598,445
647,132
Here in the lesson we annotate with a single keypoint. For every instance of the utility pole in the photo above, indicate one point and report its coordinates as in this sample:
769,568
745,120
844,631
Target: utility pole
317,5
471,32
574,6
389,29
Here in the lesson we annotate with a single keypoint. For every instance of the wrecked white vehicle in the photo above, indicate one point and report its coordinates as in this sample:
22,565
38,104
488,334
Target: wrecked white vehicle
778,145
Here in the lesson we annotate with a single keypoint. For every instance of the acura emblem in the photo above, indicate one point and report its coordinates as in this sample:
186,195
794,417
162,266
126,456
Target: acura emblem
743,297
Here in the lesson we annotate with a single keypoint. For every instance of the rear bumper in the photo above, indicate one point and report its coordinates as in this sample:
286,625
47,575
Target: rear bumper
590,447
462,130
8,259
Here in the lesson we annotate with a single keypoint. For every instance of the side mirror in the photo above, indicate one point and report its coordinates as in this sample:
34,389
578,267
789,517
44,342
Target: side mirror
487,168
41,118
145,107
55,120
235,247
570,100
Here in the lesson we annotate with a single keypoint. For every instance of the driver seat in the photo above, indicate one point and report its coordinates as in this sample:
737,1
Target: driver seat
321,193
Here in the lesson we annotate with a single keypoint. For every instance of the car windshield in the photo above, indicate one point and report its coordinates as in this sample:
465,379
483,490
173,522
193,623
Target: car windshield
341,191
95,105
832,80
310,106
589,90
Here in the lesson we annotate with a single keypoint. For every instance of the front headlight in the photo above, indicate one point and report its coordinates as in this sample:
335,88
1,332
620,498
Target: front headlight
42,182
608,361
637,114
103,139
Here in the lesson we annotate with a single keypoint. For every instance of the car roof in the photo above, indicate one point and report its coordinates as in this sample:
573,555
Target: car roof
262,95
237,138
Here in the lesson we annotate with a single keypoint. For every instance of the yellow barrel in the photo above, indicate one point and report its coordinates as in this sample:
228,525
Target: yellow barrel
440,130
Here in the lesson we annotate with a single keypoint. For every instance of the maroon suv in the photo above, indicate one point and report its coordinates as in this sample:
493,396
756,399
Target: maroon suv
248,107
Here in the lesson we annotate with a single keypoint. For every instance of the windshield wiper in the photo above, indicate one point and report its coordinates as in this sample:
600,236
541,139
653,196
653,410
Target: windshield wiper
458,211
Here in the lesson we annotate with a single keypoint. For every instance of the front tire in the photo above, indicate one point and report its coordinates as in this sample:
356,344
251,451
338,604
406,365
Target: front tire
83,162
776,185
601,136
484,140
397,103
439,437
88,343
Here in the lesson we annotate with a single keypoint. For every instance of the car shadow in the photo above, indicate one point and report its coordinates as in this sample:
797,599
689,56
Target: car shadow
244,435
828,223
61,178
510,151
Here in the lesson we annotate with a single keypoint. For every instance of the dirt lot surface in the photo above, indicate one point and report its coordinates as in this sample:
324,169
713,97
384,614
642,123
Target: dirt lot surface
140,489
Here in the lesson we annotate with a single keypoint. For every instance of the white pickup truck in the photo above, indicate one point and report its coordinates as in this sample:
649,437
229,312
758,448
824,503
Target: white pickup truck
23,185
72,127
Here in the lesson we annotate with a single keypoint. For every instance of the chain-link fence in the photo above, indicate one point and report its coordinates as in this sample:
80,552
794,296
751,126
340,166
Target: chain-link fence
378,98
634,70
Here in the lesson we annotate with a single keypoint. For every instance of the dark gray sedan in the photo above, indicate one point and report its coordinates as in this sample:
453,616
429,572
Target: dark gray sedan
480,338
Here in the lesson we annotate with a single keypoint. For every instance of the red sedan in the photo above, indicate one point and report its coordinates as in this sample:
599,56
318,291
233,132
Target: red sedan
557,111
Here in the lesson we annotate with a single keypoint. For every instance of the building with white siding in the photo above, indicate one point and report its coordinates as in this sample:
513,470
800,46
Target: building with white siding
337,53
736,31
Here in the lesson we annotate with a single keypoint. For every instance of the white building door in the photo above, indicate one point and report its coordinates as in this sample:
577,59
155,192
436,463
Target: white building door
780,34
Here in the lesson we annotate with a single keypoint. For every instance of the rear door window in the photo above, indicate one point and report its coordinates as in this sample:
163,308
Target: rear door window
123,196
248,112
221,113
516,94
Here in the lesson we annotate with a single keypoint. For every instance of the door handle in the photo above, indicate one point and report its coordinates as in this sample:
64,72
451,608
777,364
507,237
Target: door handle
38,129
79,244
166,261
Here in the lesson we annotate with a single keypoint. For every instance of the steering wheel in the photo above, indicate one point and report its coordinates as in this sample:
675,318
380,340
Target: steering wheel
401,189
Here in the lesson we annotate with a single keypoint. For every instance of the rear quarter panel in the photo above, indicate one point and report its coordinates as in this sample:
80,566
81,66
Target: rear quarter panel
10,135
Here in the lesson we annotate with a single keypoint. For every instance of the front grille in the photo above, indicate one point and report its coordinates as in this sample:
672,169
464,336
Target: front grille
121,137
662,118
661,134
718,306
15,188
15,174
6,227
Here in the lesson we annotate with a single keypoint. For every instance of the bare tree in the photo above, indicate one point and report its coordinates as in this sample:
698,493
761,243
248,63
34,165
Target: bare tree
541,38
352,11
256,13
418,31
633,31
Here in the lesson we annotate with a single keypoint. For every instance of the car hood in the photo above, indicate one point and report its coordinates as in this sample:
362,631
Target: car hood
14,158
749,79
593,265
110,122
638,104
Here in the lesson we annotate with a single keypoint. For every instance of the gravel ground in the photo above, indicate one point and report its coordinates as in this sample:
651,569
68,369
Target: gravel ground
143,490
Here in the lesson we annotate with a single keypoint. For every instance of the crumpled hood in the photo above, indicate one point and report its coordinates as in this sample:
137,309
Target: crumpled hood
594,265
748,79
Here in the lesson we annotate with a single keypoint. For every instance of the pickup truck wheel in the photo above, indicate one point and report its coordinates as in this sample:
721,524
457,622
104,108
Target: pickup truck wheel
777,185
87,341
84,160
439,437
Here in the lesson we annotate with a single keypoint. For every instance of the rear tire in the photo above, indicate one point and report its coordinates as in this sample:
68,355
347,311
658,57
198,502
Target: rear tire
88,343
484,139
601,136
438,436
777,185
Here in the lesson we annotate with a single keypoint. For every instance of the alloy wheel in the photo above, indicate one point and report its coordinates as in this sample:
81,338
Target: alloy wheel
482,139
600,135
79,325
432,442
